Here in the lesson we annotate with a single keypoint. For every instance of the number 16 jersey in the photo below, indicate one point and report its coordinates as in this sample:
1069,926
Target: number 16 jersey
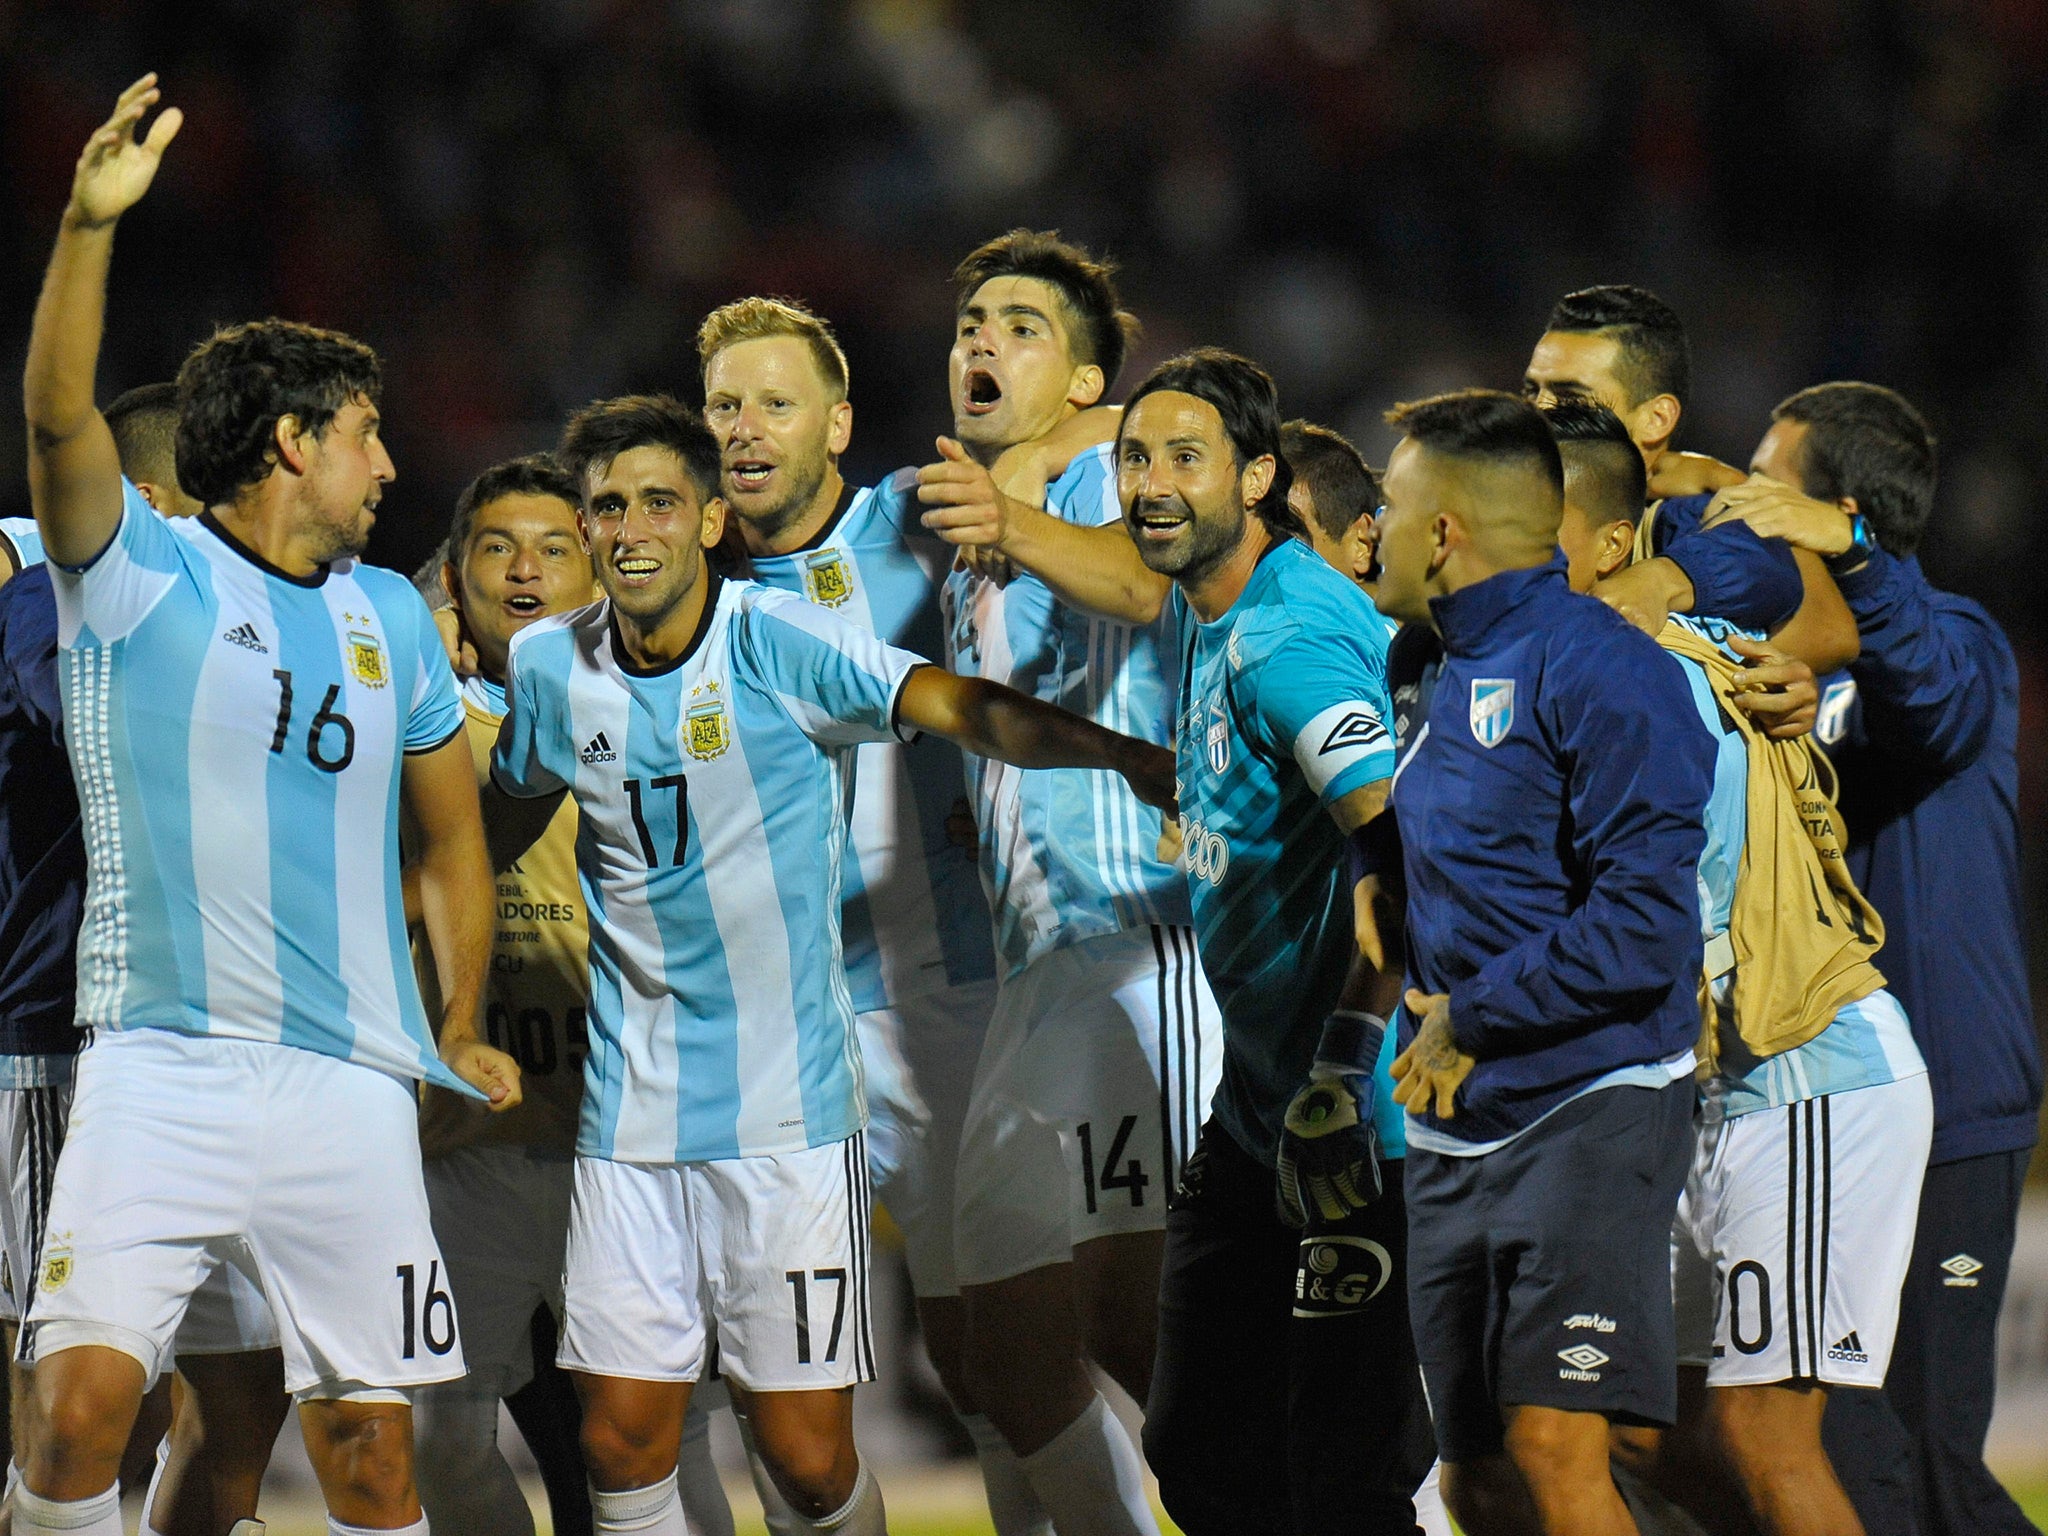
714,794
236,736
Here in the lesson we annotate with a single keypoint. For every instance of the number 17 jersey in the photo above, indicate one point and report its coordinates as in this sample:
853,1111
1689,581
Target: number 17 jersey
714,794
236,736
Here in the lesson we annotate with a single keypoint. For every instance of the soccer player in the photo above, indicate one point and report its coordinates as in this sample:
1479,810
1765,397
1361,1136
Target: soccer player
1284,1257
1334,494
498,1185
1553,964
1105,1046
1627,349
1813,1127
233,684
1924,730
707,729
915,928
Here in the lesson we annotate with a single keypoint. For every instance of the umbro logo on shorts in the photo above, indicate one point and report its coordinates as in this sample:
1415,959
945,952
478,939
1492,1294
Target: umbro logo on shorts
598,750
246,637
1848,1347
1582,1362
1961,1270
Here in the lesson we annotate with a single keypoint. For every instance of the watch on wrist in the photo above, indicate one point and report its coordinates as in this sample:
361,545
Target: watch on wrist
1861,546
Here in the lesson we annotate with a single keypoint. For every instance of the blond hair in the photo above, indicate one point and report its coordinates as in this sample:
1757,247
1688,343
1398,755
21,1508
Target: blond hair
755,319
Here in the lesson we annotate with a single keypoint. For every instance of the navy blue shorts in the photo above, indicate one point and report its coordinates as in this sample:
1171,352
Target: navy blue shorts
1539,1275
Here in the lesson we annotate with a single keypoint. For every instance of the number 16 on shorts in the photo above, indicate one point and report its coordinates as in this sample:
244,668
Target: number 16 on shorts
426,1316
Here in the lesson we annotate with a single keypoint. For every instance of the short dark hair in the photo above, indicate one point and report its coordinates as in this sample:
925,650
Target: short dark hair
1866,441
1655,359
533,474
1489,425
1341,486
144,421
604,429
242,378
1245,397
1103,329
1600,455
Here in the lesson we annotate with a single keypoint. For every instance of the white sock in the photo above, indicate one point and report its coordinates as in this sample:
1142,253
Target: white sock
656,1510
860,1515
1012,1507
705,1509
1089,1478
1430,1513
247,1528
156,1478
776,1514
336,1528
99,1515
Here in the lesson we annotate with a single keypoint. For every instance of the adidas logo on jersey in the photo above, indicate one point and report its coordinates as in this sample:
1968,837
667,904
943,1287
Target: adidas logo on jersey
599,750
1961,1270
1850,1348
246,637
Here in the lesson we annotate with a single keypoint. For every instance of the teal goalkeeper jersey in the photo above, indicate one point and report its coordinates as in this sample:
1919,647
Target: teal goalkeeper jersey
1284,712
714,795
1067,854
914,919
236,736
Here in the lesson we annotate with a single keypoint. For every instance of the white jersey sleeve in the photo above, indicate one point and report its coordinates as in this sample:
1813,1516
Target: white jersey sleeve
838,682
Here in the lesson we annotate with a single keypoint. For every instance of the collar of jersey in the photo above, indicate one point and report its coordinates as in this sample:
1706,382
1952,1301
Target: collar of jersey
214,526
1477,618
633,669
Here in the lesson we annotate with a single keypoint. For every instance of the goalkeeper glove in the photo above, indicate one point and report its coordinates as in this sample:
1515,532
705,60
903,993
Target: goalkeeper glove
1329,1147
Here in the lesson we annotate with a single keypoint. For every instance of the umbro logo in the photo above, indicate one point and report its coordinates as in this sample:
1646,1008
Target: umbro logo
1848,1347
1360,728
246,637
1582,1362
599,750
1961,1270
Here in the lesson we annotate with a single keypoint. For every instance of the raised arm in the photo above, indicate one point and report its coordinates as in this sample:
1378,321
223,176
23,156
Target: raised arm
454,885
1094,569
990,720
74,473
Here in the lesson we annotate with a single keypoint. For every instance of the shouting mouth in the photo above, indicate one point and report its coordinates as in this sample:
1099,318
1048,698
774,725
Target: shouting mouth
749,474
982,393
525,604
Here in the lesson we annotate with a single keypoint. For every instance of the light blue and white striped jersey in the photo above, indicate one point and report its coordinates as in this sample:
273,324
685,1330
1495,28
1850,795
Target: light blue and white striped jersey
22,540
1870,1041
914,919
1068,853
1285,712
236,736
714,796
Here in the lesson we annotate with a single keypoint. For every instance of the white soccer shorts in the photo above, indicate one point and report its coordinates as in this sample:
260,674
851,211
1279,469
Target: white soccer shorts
1793,1234
1097,1074
501,1216
300,1170
919,1059
768,1256
227,1314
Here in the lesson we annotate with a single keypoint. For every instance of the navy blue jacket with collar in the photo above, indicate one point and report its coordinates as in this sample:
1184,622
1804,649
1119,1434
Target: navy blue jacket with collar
1551,827
1924,733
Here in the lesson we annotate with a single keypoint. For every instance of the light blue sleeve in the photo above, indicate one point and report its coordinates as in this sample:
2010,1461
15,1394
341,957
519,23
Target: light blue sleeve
518,765
22,541
118,588
436,712
1323,699
1086,492
838,682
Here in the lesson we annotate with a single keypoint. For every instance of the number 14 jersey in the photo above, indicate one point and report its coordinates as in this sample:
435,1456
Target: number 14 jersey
715,794
236,736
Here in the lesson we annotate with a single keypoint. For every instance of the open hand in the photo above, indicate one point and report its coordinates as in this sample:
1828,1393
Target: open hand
1777,511
1428,1075
115,168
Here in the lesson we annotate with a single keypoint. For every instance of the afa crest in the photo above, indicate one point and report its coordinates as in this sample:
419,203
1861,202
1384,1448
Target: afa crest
828,579
56,1269
1493,709
707,730
366,659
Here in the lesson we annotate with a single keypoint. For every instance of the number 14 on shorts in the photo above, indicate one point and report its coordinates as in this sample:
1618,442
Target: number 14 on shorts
1097,1186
